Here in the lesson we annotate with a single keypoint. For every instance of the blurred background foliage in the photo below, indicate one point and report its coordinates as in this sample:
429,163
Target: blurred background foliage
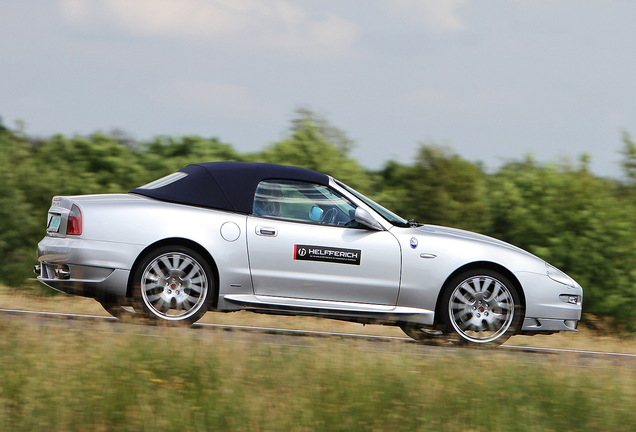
581,223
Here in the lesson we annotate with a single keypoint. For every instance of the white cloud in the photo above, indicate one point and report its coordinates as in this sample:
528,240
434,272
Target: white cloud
73,10
438,16
270,24
208,97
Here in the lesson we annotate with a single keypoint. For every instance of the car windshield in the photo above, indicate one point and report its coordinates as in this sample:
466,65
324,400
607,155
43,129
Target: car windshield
386,214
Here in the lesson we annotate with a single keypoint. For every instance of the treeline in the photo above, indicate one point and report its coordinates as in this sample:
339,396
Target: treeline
579,222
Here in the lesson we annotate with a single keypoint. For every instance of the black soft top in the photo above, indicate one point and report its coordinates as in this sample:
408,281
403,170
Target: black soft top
226,185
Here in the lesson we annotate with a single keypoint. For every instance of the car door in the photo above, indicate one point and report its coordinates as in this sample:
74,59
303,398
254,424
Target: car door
303,243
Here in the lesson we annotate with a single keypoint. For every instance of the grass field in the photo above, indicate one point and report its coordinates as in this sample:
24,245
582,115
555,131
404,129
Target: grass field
98,377
581,340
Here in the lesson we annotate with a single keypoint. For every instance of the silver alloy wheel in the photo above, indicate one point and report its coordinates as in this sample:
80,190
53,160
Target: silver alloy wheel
174,286
481,309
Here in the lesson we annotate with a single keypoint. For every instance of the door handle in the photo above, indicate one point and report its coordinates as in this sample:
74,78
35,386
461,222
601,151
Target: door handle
265,231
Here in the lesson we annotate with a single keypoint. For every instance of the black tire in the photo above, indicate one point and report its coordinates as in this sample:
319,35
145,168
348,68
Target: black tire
117,308
480,308
173,284
422,334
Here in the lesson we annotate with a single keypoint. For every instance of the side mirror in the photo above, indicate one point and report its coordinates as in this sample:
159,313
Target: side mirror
364,217
315,213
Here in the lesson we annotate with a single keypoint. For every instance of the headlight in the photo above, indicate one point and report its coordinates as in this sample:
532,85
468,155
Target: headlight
557,275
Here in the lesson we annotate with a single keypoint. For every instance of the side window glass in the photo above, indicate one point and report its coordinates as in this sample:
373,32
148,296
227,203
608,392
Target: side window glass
303,202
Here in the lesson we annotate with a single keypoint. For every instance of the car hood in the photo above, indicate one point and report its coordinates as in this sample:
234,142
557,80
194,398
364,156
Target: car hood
469,235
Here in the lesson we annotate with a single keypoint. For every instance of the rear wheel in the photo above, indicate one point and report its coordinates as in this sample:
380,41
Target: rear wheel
117,307
173,284
481,307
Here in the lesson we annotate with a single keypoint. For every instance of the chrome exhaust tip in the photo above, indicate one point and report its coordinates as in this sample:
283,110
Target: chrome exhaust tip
62,272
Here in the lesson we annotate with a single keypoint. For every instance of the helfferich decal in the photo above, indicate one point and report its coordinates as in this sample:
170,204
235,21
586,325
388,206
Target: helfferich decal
327,254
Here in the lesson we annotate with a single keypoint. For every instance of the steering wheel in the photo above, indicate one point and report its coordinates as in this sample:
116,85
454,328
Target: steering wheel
329,217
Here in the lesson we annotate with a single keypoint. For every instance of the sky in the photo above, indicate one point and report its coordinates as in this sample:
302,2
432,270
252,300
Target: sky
494,80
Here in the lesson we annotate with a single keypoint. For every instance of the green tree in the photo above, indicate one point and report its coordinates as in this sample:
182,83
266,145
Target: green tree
33,171
165,155
440,188
314,144
579,222
19,221
3,129
79,165
575,221
305,117
629,157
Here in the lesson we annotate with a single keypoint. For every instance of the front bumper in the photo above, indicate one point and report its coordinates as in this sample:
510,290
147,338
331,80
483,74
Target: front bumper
548,304
547,325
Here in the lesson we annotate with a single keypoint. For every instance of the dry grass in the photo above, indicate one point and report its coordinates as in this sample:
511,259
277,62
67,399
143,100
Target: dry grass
58,375
584,339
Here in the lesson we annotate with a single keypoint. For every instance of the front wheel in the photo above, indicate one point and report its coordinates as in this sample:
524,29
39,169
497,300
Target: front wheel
173,284
481,307
421,333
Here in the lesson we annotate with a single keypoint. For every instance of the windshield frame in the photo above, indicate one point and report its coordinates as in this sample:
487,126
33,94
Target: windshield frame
386,214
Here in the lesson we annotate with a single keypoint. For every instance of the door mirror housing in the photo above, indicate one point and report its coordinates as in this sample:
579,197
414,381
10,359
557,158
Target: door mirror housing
364,217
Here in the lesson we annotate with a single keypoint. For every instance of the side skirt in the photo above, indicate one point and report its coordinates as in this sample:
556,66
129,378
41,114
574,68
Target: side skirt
356,312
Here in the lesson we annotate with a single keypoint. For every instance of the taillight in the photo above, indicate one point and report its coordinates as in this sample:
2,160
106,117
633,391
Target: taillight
74,225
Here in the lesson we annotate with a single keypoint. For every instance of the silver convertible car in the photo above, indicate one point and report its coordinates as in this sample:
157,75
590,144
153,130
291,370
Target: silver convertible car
228,236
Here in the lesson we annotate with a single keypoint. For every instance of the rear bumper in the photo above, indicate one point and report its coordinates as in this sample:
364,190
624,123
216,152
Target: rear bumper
95,282
86,267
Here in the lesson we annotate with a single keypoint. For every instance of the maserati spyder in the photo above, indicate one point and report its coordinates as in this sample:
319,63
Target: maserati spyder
229,236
